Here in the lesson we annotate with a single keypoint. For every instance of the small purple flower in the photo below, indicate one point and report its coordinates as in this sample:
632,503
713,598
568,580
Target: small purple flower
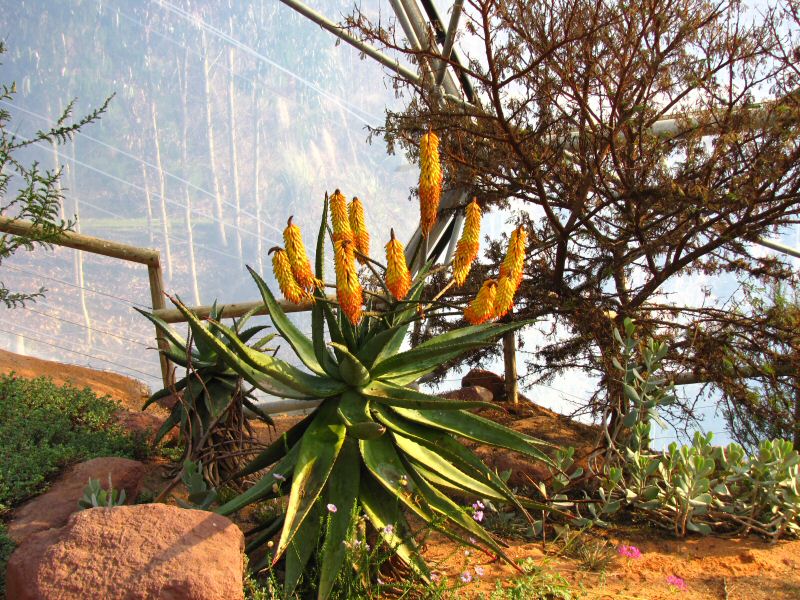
332,508
380,581
677,583
435,577
478,505
479,571
466,577
472,540
388,530
478,515
279,477
629,552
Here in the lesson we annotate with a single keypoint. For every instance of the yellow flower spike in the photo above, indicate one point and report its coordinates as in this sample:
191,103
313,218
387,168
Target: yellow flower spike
430,181
504,299
359,227
481,309
340,221
283,273
514,260
469,244
398,279
348,287
298,259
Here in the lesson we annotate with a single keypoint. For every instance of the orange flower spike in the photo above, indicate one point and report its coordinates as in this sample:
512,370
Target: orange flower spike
398,278
469,244
504,299
430,181
358,225
283,274
481,309
298,259
514,260
340,221
348,287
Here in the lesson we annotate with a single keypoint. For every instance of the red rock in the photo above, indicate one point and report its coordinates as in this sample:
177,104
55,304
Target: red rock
145,424
496,384
131,553
525,471
53,508
475,393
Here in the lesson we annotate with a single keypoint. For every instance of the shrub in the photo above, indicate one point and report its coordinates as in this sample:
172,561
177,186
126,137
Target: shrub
44,427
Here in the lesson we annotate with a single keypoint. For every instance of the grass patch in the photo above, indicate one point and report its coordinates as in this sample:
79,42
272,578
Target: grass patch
44,427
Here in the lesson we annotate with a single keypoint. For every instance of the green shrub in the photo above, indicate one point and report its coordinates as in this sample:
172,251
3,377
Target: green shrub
6,548
44,427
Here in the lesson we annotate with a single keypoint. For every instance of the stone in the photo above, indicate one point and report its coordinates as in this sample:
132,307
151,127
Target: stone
475,393
496,384
525,472
53,508
131,553
144,424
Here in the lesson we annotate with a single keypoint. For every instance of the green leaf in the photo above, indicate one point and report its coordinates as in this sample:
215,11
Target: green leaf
319,447
412,364
300,549
474,334
171,421
354,413
164,328
342,493
382,510
165,392
395,395
350,368
370,351
449,448
263,487
279,448
473,427
301,345
282,372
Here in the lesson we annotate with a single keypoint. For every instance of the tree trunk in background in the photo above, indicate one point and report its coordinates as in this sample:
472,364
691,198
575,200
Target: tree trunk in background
149,203
80,280
210,130
184,160
256,160
163,191
234,155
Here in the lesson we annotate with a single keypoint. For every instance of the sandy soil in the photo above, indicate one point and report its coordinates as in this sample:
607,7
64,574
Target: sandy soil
712,567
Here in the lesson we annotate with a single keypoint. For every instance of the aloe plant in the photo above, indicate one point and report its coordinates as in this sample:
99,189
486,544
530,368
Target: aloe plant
210,400
375,444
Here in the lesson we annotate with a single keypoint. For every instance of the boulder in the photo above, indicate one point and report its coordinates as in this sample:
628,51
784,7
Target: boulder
53,508
525,471
144,424
496,384
469,394
131,553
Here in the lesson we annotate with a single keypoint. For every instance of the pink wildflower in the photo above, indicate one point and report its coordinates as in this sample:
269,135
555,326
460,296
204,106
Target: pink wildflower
676,583
629,551
479,571
466,577
332,508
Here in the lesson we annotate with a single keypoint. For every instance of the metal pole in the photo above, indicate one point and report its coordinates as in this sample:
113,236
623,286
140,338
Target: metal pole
449,39
457,225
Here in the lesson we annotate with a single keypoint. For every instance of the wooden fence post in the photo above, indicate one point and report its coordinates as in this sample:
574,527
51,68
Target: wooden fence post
510,360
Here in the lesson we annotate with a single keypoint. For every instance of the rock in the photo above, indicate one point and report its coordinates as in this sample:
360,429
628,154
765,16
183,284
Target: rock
144,424
53,508
131,552
469,394
496,384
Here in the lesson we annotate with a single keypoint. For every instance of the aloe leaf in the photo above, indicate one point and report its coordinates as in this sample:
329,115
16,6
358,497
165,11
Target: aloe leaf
370,350
455,514
381,458
301,345
172,420
319,447
412,364
246,400
451,449
354,413
249,333
265,532
342,492
352,371
286,374
474,333
300,548
395,395
473,427
164,392
382,510
402,320
263,487
164,328
334,327
278,448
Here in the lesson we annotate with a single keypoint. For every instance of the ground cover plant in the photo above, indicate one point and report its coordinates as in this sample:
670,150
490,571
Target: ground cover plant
44,427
